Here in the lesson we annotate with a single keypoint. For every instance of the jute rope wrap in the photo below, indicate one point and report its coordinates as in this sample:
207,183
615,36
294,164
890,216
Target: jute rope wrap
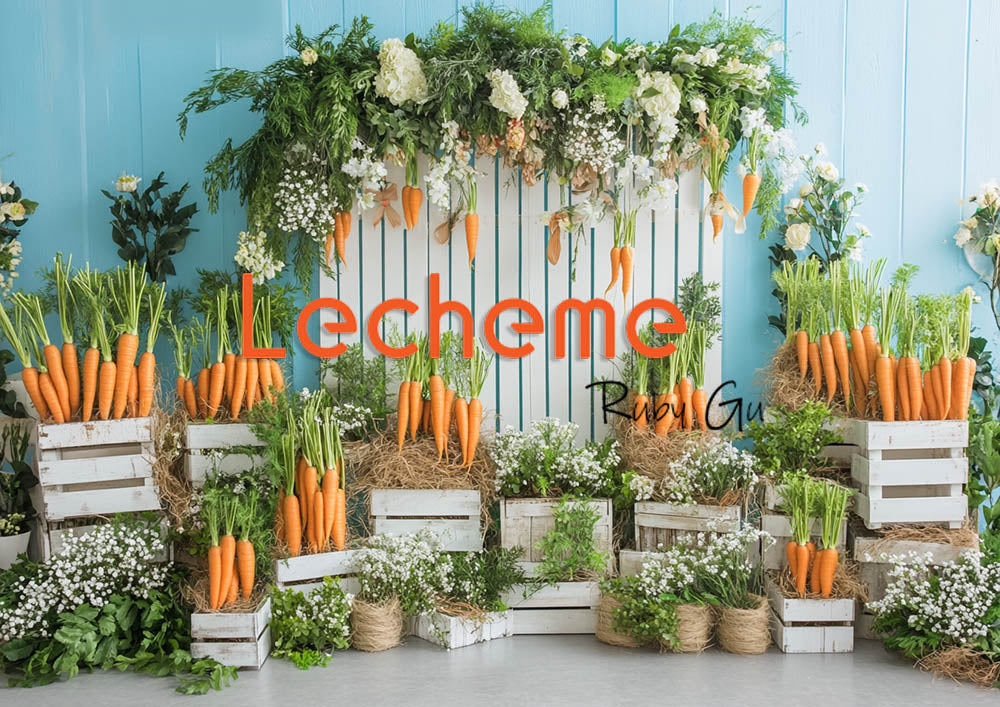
745,631
694,627
605,622
377,627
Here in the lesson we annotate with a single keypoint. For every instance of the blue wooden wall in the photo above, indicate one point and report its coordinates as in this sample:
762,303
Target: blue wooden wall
902,92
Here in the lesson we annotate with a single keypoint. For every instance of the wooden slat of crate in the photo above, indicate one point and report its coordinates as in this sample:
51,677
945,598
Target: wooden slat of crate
630,562
220,436
240,640
567,607
225,625
780,528
457,632
934,509
811,625
793,610
873,556
663,524
198,466
871,435
910,472
451,515
812,639
524,522
207,450
306,572
93,434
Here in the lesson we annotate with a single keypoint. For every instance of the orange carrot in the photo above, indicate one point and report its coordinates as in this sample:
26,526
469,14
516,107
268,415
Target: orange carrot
106,378
402,412
699,400
416,200
838,341
202,389
616,264
965,368
628,258
886,388
930,401
861,361
827,561
687,402
146,373
329,493
239,387
912,366
91,365
133,393
190,403
293,525
716,226
815,367
227,546
340,235
944,366
449,402
253,375
405,200
791,554
264,377
53,361
214,576
860,389
29,376
234,581
309,489
340,522
229,360
462,424
751,183
245,561
903,391
216,385
277,377
436,385
128,347
425,418
871,348
319,522
801,568
48,391
471,235
416,407
475,425
71,369
829,367
802,351
664,413
640,411
940,403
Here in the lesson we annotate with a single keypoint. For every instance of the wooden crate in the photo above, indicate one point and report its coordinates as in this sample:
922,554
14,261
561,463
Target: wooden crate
630,562
93,469
666,524
910,472
780,528
457,632
238,640
524,522
50,538
811,625
837,456
450,515
306,572
565,607
207,448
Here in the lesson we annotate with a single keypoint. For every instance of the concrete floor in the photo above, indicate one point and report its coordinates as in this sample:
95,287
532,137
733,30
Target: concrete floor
544,670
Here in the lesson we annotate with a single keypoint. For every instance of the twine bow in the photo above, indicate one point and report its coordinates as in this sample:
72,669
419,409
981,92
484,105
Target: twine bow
442,233
383,206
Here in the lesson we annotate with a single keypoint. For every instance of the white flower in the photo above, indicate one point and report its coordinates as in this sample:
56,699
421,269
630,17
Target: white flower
6,189
683,58
308,56
127,183
827,171
733,66
698,104
752,120
863,230
774,48
14,210
989,193
707,56
559,98
793,205
962,236
797,236
820,149
855,252
806,189
505,95
664,102
861,187
401,74
255,257
608,56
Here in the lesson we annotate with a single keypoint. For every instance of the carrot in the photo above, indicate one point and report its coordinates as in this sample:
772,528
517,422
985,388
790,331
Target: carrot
70,364
687,401
678,409
751,183
71,369
449,402
663,414
29,376
827,569
425,418
944,366
911,364
245,561
145,374
462,425
640,411
479,366
277,377
340,235
941,404
31,306
91,364
815,367
402,412
858,346
202,387
436,385
792,556
886,392
239,387
318,522
471,236
53,361
293,525
700,402
802,351
929,398
106,389
616,264
829,367
416,201
234,582
264,377
133,393
48,391
310,486
870,349
838,342
475,425
416,407
253,375
216,386
860,390
627,257
228,543
229,360
903,391
214,575
716,226
813,568
128,346
329,493
340,524
801,567
405,199
288,467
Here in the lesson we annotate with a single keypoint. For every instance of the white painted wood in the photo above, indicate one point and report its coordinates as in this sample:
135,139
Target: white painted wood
920,434
554,621
220,624
662,523
559,595
420,502
812,639
451,535
238,654
808,610
219,436
59,505
304,568
910,472
95,433
199,466
864,627
874,549
780,528
457,632
524,522
97,469
942,509
630,562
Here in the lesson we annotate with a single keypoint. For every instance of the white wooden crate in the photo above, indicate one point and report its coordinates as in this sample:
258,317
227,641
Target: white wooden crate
524,522
565,607
306,572
238,640
630,562
207,448
94,468
457,632
811,625
665,524
450,515
910,472
780,528
52,538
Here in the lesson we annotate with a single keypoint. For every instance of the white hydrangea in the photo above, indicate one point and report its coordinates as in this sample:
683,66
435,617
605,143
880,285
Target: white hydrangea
401,74
698,104
256,258
663,104
560,99
505,95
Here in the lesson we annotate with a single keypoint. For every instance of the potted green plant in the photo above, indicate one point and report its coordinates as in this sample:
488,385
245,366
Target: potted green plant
15,506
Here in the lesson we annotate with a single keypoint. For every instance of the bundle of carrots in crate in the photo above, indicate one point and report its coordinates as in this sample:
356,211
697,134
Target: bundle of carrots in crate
680,401
109,384
231,562
895,356
805,499
311,480
435,391
227,383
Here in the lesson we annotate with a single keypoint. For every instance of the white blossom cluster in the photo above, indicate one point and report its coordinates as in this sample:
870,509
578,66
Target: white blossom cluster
708,469
988,194
671,571
111,559
401,74
653,190
452,163
641,487
127,183
11,524
505,95
368,173
350,417
10,258
255,257
659,96
754,77
303,199
951,600
406,566
726,555
547,451
327,611
593,140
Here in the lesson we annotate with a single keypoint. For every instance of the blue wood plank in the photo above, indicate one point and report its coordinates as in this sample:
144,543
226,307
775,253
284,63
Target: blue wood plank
642,21
685,12
592,18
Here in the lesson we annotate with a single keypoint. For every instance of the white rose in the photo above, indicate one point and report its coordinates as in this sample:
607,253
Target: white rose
663,105
797,236
608,56
827,171
806,189
308,56
127,183
794,204
820,149
698,105
707,56
962,236
774,48
559,99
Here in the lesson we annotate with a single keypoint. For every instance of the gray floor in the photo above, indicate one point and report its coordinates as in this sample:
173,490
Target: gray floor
545,670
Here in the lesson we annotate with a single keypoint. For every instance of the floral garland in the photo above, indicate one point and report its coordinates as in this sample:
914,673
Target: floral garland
14,213
612,123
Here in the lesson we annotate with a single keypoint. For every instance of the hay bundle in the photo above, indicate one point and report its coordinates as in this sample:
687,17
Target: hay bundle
195,594
745,631
783,387
847,583
959,537
962,664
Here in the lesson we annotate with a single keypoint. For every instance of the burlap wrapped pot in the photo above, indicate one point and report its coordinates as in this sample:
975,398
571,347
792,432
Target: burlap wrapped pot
694,627
745,631
605,622
377,627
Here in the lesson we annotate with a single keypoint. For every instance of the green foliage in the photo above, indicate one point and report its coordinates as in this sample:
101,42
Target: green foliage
482,578
701,303
794,439
984,466
14,486
137,217
11,227
307,629
646,618
359,380
569,550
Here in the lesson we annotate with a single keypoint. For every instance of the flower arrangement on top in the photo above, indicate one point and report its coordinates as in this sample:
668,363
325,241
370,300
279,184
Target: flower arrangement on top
611,122
14,213
894,355
979,238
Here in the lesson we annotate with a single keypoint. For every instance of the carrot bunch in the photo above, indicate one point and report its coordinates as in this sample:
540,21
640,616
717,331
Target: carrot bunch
800,551
231,562
338,237
623,250
813,569
832,501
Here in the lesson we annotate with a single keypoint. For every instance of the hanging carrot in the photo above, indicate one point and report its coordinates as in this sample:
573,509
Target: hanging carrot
751,184
340,236
417,385
405,201
627,257
471,219
616,264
